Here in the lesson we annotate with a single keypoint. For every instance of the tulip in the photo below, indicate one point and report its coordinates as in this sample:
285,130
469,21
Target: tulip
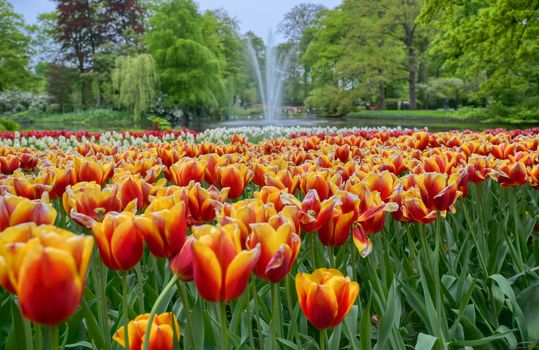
16,210
89,169
134,187
185,171
279,248
245,213
325,296
165,331
438,191
29,188
165,232
182,263
411,206
510,175
203,203
317,181
9,163
88,198
221,268
120,239
235,177
48,271
283,179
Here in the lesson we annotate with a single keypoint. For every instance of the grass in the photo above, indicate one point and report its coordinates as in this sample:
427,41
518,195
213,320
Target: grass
427,114
91,120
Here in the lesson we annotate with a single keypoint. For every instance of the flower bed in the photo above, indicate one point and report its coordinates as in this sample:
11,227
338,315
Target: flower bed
298,238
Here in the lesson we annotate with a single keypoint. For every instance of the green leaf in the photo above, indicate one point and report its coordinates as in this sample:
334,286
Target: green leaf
335,339
365,328
425,342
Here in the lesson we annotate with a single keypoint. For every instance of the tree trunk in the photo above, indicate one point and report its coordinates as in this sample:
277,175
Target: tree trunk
411,65
381,93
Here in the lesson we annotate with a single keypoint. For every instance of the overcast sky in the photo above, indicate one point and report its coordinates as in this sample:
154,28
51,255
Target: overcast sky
257,15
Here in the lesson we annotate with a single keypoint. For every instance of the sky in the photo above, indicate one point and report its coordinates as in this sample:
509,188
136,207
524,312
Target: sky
260,16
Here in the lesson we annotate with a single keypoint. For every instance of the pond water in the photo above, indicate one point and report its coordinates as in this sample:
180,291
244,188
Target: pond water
433,124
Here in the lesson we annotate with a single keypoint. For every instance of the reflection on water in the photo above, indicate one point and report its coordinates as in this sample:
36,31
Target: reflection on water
433,124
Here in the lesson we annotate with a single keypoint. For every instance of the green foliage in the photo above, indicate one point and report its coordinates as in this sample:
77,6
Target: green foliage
14,50
134,80
189,56
329,101
160,123
496,41
8,125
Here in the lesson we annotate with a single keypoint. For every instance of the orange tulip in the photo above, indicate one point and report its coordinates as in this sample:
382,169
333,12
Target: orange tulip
270,194
279,248
283,179
16,210
29,188
317,181
89,169
221,268
47,271
164,331
120,239
438,191
411,206
203,203
166,229
182,263
244,214
185,171
89,199
325,296
9,163
509,175
134,187
235,177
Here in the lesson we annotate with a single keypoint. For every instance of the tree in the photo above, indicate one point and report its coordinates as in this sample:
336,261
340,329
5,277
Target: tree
298,20
14,50
495,41
294,26
190,73
61,81
134,81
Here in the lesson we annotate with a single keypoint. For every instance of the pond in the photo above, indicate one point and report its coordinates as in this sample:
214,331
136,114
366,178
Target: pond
433,124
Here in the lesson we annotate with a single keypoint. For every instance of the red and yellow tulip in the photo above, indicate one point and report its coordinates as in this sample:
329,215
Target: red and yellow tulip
221,268
325,296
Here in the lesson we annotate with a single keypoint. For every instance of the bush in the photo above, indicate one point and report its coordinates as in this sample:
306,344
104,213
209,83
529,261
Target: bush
329,101
18,101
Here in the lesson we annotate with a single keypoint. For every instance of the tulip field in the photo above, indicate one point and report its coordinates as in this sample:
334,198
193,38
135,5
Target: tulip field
307,238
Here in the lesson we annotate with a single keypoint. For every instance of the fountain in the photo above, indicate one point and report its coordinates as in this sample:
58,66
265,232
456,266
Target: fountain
270,84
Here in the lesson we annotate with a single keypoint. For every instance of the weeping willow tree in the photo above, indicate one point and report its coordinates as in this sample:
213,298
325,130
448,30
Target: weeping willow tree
134,81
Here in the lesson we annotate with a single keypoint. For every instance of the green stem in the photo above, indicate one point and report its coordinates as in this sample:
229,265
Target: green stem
125,302
291,311
187,311
313,250
331,252
156,305
140,286
53,337
257,315
276,314
99,280
250,319
38,345
224,333
322,339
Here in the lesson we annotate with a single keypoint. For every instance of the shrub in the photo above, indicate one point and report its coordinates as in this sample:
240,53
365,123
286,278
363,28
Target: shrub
329,101
18,101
